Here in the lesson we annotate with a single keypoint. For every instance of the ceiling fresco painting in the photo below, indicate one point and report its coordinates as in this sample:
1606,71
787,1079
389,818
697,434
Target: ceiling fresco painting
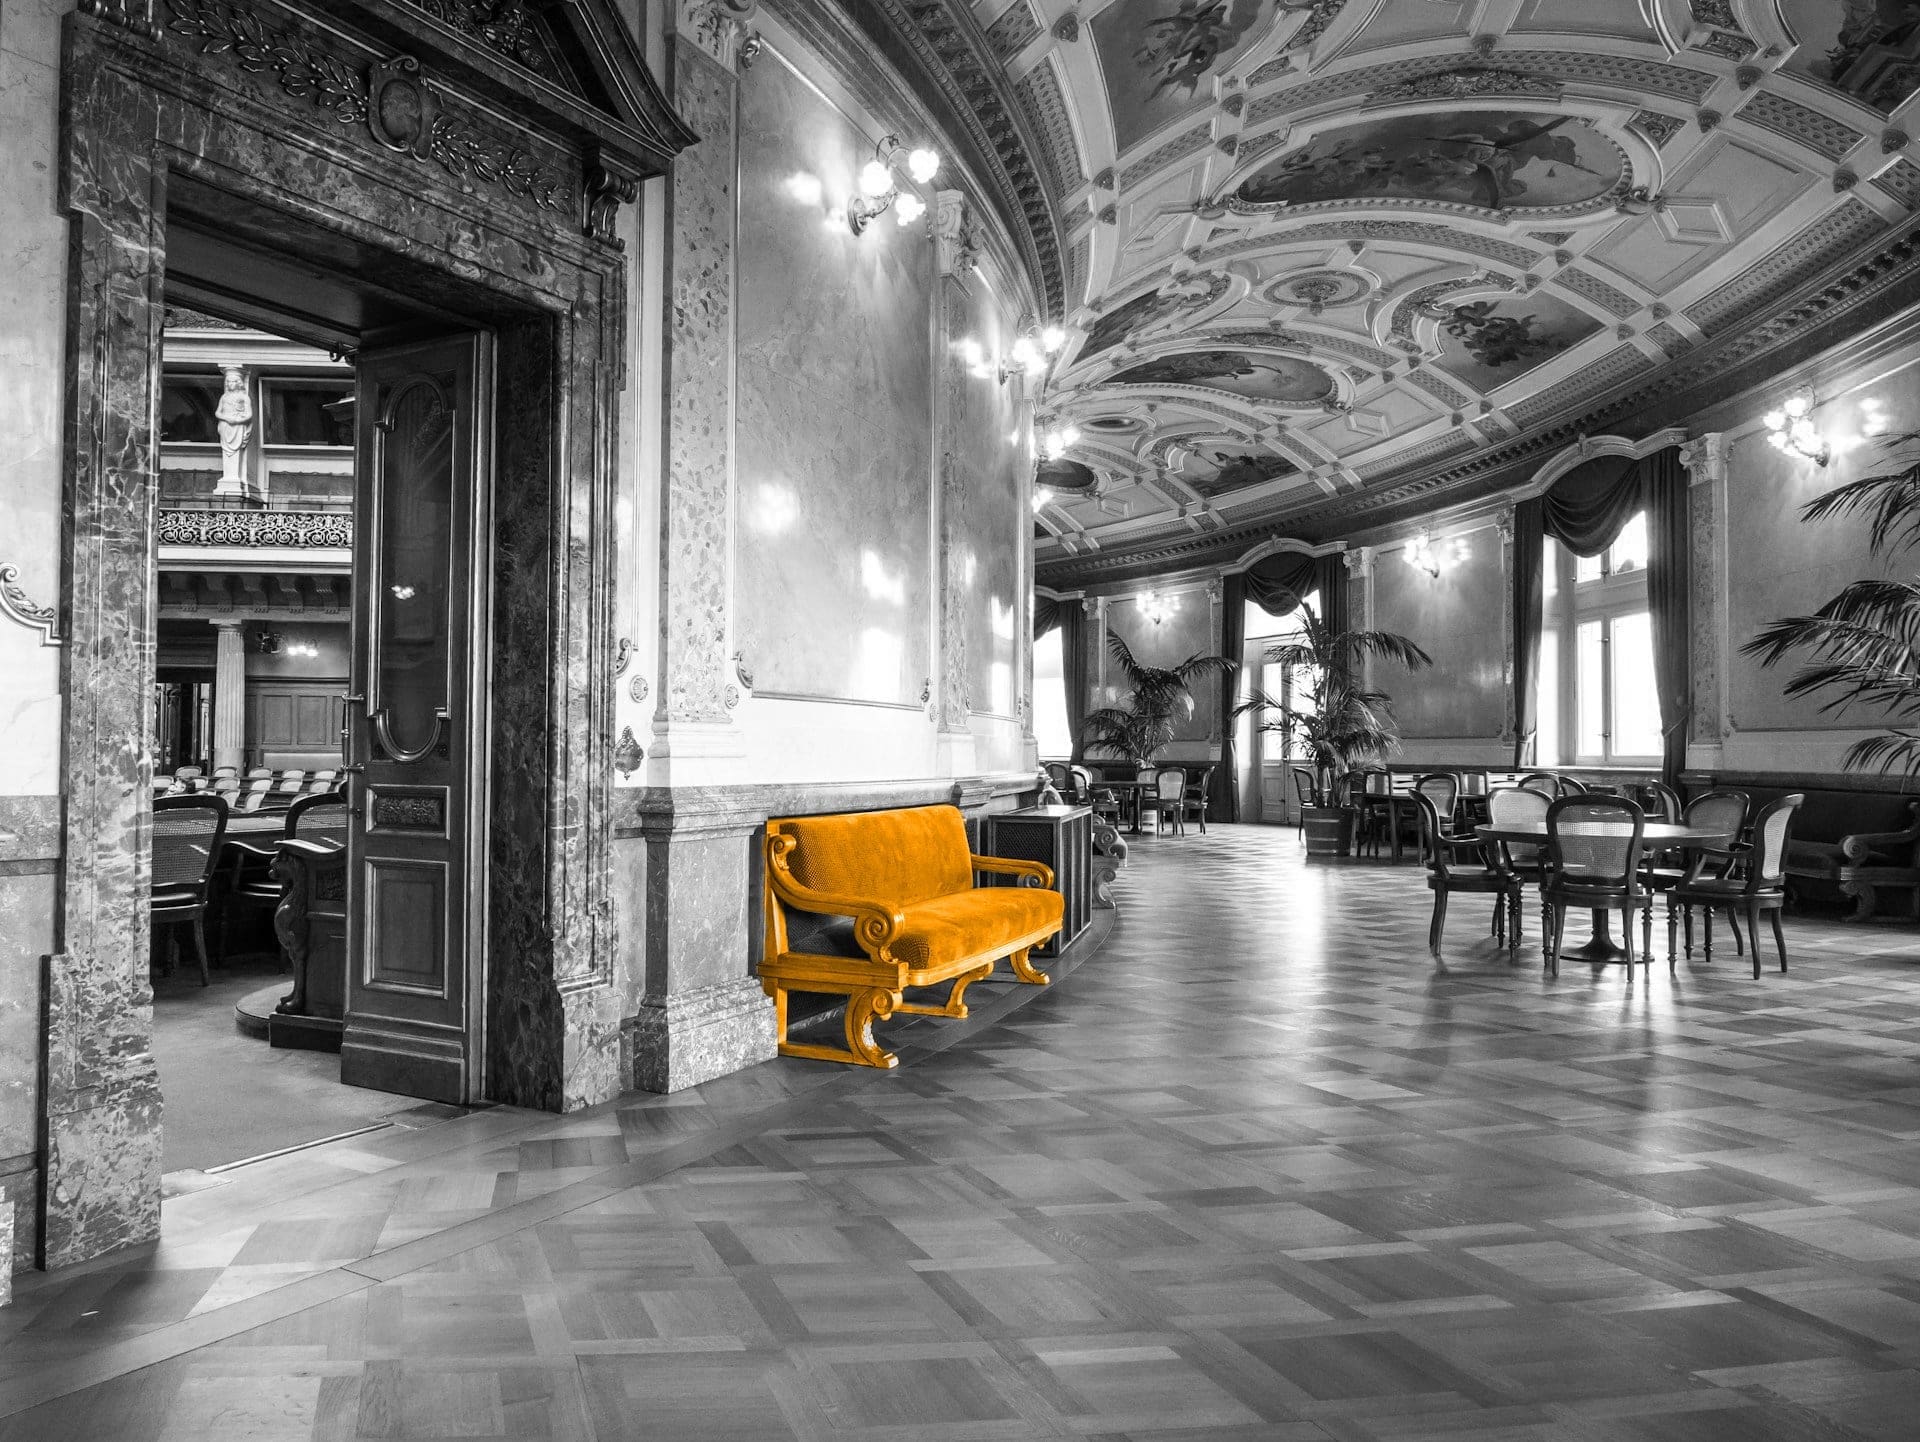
1337,257
1157,55
1487,343
1867,48
1498,161
1275,379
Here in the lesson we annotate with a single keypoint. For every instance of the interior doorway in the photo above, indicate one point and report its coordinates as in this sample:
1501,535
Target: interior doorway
324,638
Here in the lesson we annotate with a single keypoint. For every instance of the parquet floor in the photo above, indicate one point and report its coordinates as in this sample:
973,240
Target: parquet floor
1257,1169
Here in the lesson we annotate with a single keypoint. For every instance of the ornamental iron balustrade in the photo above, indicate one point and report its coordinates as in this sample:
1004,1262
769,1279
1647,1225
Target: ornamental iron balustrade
305,529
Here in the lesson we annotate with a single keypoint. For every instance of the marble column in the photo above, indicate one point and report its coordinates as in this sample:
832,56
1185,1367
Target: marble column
1359,564
1510,719
229,693
954,747
1706,461
701,1014
1216,603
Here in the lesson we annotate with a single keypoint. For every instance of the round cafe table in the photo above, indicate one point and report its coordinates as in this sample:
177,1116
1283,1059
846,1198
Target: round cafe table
1658,835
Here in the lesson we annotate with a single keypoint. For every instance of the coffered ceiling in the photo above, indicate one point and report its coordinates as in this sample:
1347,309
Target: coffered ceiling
1325,258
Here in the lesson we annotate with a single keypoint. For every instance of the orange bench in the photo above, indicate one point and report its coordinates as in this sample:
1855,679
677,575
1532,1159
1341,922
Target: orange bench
867,905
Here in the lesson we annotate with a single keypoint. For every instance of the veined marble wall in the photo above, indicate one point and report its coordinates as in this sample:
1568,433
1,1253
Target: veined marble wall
1186,632
1456,617
1779,565
32,719
834,577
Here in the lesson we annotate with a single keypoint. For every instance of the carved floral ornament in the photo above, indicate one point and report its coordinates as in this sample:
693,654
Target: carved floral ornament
21,607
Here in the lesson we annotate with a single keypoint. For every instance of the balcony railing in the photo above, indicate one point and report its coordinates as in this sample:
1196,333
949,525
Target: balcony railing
303,529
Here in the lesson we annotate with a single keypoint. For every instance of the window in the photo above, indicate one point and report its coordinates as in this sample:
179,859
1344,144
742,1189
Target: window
186,409
1598,704
307,413
1050,729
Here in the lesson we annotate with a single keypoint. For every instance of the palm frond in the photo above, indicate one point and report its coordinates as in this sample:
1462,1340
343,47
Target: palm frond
1891,501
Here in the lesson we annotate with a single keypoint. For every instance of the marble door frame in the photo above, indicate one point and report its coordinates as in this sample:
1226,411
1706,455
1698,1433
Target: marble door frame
501,234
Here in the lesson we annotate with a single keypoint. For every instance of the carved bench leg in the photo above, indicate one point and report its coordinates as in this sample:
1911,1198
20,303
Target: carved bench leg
1866,900
954,1005
1025,969
863,1009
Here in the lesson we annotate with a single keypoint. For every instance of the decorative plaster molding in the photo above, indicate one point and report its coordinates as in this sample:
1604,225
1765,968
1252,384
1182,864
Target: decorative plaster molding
718,28
1705,458
326,530
22,608
957,244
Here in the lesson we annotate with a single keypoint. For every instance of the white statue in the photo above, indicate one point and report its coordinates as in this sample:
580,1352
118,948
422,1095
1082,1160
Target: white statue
235,415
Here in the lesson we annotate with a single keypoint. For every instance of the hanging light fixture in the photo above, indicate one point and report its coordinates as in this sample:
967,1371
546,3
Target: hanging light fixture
1791,428
880,186
1032,352
1158,608
1057,442
1423,553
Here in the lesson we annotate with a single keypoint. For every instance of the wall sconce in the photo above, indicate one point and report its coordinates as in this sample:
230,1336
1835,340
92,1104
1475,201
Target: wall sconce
1042,498
1056,443
1032,352
1789,429
880,190
1156,607
1424,555
268,643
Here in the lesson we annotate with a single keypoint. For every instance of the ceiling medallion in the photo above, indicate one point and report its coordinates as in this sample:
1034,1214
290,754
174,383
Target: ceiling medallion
1318,289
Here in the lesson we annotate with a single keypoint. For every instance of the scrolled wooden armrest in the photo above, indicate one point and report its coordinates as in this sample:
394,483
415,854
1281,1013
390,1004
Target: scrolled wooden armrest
1038,872
249,848
1857,848
874,925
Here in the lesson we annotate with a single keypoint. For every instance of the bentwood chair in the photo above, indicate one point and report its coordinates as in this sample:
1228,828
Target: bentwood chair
1166,800
187,832
1542,781
1460,863
1372,791
1724,811
1660,801
1758,884
1061,775
1601,872
1193,803
1519,805
1306,792
1443,789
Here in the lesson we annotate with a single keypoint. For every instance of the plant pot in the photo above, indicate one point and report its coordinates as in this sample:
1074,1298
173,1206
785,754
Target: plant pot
1328,829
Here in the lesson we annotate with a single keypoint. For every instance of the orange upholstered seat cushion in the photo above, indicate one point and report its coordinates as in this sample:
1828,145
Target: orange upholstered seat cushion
970,923
892,859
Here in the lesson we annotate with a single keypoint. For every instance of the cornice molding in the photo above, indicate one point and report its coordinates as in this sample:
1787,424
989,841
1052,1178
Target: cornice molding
944,53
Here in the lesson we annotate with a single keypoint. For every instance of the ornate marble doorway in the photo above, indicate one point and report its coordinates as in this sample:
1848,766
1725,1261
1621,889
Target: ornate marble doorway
477,172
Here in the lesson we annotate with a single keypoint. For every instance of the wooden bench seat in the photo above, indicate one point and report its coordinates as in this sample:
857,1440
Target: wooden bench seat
869,905
1863,863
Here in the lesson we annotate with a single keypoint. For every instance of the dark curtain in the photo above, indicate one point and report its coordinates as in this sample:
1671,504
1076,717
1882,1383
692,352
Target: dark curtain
1277,582
1046,614
1330,576
1073,663
1589,505
1528,551
1663,483
1223,789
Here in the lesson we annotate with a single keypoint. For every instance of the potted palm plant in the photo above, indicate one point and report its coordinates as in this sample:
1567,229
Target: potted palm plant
1332,717
1862,647
1158,699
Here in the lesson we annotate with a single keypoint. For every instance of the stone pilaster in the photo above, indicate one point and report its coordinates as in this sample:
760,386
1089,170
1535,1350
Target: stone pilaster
693,723
229,693
955,742
1706,461
701,1013
1359,564
1216,624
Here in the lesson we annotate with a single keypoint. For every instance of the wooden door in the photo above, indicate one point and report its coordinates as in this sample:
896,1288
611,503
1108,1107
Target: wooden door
1276,796
416,732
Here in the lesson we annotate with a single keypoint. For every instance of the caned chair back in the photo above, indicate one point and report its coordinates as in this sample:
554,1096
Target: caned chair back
329,773
1432,826
1061,775
226,771
1375,783
226,784
1303,786
184,772
255,773
1590,858
1474,783
289,782
1170,783
254,795
1660,801
1772,829
1082,783
321,818
1442,788
1724,811
1571,787
1542,781
1519,805
187,832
